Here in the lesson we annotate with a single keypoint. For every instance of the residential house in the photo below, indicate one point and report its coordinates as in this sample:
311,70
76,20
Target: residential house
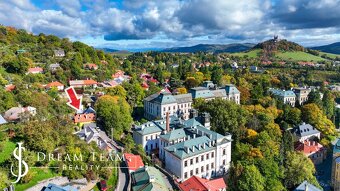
302,94
336,166
287,97
335,88
54,187
201,184
10,87
2,120
186,147
20,51
59,53
54,67
133,162
313,150
148,179
16,113
83,83
90,66
56,84
36,70
86,116
306,132
157,105
306,186
92,133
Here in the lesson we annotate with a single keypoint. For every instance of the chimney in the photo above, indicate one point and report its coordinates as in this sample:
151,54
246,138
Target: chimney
167,122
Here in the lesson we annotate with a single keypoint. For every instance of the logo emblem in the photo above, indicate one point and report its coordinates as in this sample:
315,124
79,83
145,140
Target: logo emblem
21,163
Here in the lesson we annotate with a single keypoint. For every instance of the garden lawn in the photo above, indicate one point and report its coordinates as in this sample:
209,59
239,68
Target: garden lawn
7,150
40,174
250,54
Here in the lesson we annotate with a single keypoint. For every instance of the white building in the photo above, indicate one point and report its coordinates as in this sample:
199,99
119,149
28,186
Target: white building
157,105
302,94
187,147
288,97
306,132
92,133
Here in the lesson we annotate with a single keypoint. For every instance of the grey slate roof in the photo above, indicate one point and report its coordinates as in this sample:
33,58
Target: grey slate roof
183,98
310,187
306,130
179,149
201,92
336,148
2,120
231,89
282,93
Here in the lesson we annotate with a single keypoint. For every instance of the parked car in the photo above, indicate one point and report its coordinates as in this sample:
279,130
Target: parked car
103,186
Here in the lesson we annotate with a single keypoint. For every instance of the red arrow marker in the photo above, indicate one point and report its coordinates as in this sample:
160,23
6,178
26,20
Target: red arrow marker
74,101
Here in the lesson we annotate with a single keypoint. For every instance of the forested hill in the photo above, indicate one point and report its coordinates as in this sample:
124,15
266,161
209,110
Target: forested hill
20,50
279,45
215,48
331,48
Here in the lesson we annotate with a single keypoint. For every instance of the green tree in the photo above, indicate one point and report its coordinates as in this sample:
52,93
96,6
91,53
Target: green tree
227,116
298,168
251,179
114,115
328,104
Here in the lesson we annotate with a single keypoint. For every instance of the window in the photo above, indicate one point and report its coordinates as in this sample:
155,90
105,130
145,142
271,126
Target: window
202,158
212,155
212,165
202,168
223,151
208,156
207,167
197,171
185,175
156,145
224,162
185,163
191,173
146,147
146,138
196,159
191,161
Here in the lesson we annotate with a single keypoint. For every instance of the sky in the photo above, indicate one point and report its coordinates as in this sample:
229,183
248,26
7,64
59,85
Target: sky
158,24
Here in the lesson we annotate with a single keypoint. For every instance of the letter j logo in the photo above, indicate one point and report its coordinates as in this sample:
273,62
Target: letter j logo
21,163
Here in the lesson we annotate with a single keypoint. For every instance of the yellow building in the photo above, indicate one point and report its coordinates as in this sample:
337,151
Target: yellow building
336,166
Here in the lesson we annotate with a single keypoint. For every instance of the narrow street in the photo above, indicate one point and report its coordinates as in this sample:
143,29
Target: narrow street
123,178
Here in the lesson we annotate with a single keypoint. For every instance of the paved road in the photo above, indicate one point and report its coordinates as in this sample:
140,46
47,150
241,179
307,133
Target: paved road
124,180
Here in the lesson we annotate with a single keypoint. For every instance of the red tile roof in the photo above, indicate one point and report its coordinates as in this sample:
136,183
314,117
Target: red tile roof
118,74
196,183
133,162
81,118
54,84
35,70
91,66
309,147
10,87
90,82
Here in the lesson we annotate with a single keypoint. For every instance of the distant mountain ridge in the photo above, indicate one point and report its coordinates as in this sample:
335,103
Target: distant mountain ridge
333,48
215,48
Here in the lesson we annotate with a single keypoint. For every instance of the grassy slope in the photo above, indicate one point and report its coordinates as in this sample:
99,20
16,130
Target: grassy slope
330,55
293,56
250,54
298,56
